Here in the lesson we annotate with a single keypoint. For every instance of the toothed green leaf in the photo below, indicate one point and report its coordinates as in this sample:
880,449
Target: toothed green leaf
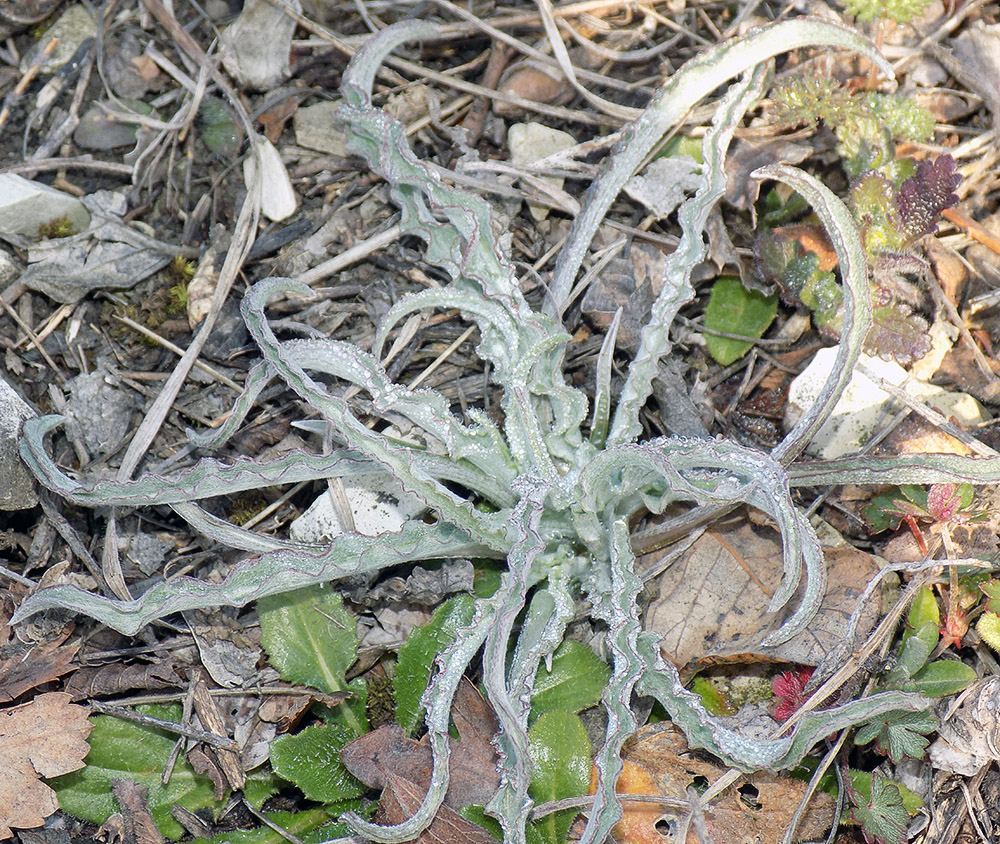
311,760
881,813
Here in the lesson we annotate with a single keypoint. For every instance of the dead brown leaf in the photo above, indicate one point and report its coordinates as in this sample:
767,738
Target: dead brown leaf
285,711
26,666
758,807
401,767
532,82
915,435
221,766
402,797
116,679
274,119
43,738
22,672
631,284
952,274
638,823
812,239
713,602
742,189
967,740
974,59
134,802
146,67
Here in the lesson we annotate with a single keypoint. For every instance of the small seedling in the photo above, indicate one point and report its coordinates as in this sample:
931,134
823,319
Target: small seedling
940,506
895,202
177,274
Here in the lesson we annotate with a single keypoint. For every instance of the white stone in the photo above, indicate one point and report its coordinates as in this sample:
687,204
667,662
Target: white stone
73,27
943,336
665,183
256,46
864,408
10,269
25,205
378,505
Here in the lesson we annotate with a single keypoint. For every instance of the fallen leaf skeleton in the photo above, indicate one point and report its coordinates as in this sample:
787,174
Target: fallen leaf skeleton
537,492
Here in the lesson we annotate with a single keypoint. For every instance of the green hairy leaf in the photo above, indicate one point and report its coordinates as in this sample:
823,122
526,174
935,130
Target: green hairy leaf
309,637
309,826
899,736
549,506
944,677
125,750
575,682
311,760
861,781
415,663
560,752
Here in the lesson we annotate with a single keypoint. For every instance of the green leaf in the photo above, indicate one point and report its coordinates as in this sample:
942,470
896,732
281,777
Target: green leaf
882,512
299,824
711,698
260,785
915,494
310,826
416,657
124,750
900,734
913,654
944,677
882,815
219,128
862,782
733,309
682,145
486,580
923,610
575,682
310,638
477,815
560,753
992,591
311,760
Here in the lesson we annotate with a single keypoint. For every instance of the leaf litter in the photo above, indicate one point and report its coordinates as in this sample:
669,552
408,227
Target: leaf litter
182,207
46,737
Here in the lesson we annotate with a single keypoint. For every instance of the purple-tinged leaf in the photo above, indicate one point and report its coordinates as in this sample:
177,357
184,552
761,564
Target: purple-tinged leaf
924,195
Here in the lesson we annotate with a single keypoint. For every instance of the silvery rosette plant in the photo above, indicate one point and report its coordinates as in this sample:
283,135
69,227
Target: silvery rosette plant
551,490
